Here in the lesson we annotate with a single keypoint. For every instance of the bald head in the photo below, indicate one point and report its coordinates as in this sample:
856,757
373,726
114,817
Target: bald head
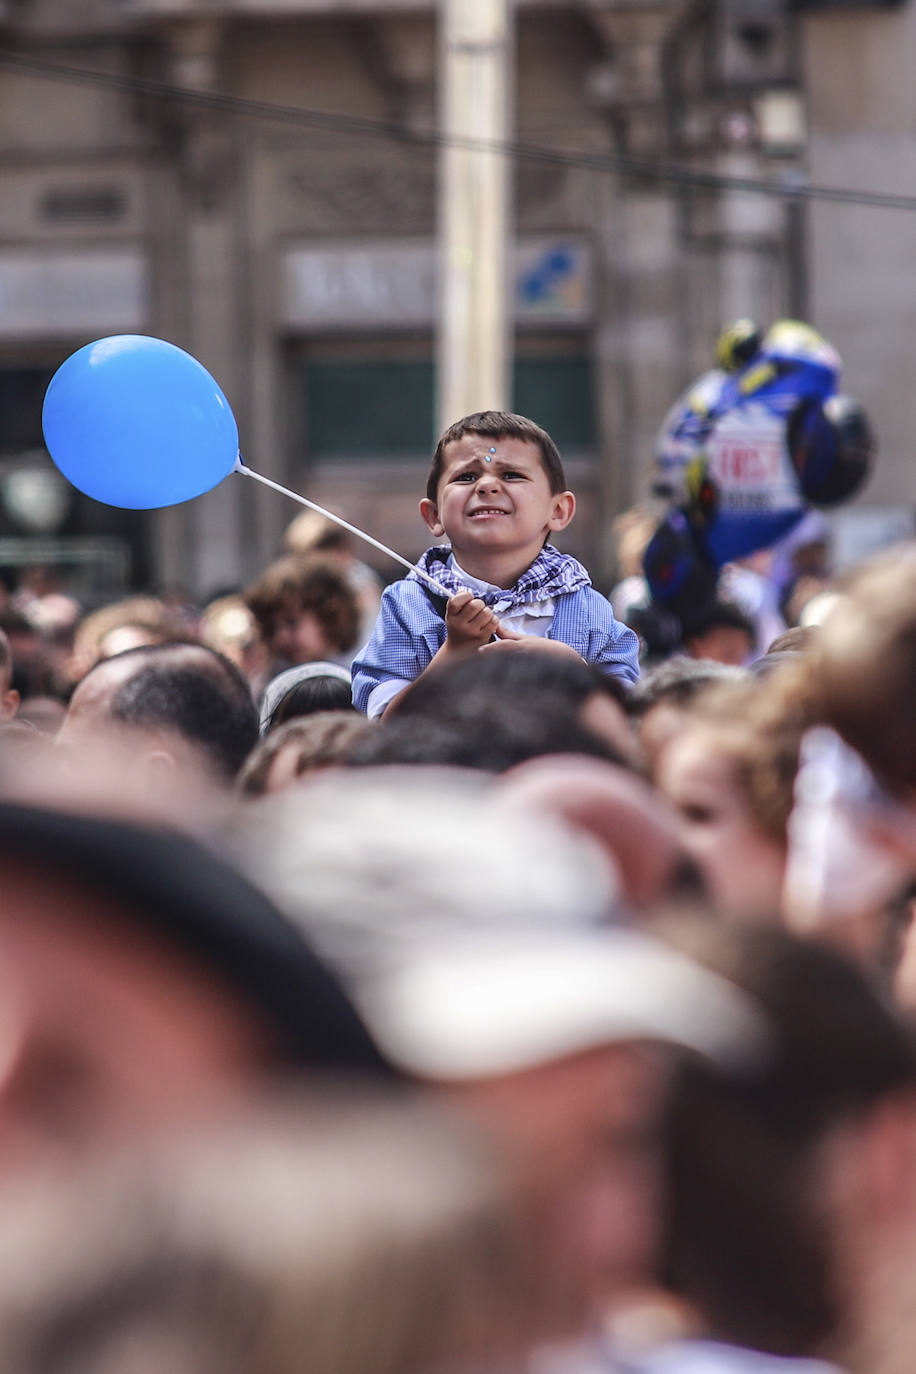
179,699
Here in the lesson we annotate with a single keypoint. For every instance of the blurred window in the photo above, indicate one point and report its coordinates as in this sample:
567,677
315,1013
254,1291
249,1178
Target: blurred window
384,407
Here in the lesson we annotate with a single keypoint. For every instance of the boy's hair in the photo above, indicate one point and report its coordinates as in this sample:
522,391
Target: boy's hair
498,424
294,585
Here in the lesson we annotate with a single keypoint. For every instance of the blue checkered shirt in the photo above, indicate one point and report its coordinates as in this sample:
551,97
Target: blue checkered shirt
410,628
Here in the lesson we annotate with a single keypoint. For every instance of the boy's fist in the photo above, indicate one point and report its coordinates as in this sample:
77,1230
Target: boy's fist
513,642
469,622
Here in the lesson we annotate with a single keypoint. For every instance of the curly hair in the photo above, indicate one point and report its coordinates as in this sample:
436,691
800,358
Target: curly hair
863,666
758,726
293,585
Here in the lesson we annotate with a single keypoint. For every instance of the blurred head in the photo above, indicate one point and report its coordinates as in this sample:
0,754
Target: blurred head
306,609
661,696
863,667
477,943
126,624
789,647
311,532
144,983
35,665
303,745
9,698
304,689
175,706
228,626
504,735
376,1238
637,828
729,772
788,1187
724,634
632,531
541,692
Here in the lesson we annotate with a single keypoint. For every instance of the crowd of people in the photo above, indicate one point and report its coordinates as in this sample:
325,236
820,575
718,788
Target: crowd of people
425,976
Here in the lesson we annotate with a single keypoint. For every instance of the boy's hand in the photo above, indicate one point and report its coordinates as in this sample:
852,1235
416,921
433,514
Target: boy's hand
469,622
512,642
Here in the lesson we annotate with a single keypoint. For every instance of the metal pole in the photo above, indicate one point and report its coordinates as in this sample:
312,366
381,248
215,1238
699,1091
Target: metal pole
475,103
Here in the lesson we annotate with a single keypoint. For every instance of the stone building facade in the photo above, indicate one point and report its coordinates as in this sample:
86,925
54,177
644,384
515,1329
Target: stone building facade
862,137
256,181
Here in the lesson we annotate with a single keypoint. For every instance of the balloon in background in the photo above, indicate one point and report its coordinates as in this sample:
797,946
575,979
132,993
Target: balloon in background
136,422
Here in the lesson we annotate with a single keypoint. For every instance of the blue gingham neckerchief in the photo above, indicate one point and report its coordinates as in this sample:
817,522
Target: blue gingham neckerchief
551,574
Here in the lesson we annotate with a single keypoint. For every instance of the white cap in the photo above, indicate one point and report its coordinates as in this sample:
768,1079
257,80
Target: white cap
477,942
479,1007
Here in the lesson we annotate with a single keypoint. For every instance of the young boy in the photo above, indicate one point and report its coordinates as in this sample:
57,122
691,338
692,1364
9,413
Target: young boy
496,491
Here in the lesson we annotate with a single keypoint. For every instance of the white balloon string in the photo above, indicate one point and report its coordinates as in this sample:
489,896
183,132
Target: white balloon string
345,524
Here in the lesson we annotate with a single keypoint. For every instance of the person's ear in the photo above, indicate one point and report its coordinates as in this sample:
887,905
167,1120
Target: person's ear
9,704
160,766
14,1043
564,508
888,1159
430,512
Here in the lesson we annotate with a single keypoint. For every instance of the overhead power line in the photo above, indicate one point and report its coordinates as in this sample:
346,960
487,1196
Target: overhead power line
792,188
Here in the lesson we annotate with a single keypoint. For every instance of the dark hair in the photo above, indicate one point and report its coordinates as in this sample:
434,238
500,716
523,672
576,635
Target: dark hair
523,679
33,666
311,695
179,892
195,692
494,740
720,615
746,1241
498,424
293,585
13,622
316,741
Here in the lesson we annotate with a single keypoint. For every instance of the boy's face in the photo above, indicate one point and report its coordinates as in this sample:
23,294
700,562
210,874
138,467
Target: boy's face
494,496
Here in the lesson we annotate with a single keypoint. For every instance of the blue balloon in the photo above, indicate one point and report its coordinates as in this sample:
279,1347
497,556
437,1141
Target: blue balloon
136,422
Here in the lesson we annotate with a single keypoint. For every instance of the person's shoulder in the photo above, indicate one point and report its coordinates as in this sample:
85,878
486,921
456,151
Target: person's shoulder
408,592
408,609
597,606
401,588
